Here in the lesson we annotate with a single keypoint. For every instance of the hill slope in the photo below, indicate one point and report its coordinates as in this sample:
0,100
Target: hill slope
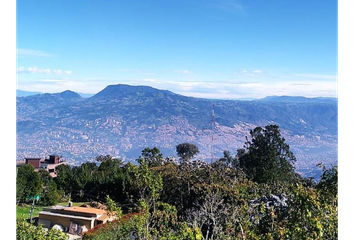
122,120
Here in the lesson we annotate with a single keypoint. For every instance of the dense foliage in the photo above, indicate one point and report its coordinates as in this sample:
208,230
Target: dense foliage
266,157
253,195
186,151
27,231
30,184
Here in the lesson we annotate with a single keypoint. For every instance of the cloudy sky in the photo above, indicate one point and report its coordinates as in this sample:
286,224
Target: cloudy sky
227,49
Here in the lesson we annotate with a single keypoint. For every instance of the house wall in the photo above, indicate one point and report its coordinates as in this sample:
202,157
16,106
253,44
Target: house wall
35,163
54,159
65,221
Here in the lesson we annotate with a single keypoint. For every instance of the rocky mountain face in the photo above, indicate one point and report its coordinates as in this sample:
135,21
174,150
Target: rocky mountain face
121,120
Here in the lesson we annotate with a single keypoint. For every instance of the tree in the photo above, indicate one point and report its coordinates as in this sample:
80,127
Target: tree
26,231
146,186
186,151
50,194
328,184
28,183
112,208
153,157
111,167
209,215
83,180
64,178
310,218
102,158
267,158
143,182
230,161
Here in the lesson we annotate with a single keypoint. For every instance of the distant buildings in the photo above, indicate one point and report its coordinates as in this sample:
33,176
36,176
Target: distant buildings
50,165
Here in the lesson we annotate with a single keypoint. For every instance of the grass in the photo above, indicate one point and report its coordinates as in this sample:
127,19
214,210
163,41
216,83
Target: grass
23,212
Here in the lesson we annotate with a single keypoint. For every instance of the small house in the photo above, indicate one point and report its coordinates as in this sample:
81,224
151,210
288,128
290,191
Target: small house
74,220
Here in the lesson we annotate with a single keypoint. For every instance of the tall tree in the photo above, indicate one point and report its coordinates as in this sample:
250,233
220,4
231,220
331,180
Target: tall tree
102,158
64,178
50,194
83,177
28,183
266,158
143,182
153,157
186,151
328,184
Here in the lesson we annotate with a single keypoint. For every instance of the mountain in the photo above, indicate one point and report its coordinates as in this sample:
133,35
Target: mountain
30,105
20,93
298,99
121,120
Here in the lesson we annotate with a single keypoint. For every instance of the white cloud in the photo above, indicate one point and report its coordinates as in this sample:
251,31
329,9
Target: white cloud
32,53
183,71
257,71
57,71
206,89
54,85
44,71
318,76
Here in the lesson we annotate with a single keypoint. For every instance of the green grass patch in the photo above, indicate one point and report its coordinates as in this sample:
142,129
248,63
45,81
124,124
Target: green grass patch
23,211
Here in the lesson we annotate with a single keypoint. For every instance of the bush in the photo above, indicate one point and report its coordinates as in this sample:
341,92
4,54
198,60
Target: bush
27,231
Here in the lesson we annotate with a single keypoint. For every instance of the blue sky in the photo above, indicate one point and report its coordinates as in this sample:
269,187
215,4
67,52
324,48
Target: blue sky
214,49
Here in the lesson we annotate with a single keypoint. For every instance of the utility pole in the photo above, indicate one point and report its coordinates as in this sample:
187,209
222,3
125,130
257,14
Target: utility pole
32,210
32,207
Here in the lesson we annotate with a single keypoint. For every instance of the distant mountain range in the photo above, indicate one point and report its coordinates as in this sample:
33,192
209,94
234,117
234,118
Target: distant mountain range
121,120
20,93
289,99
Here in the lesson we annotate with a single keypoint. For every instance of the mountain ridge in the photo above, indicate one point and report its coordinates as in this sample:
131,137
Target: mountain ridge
122,120
297,99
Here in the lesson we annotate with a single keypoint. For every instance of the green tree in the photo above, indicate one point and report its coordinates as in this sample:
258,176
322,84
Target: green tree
143,182
328,184
50,194
186,151
27,231
109,171
83,180
102,158
28,183
305,215
153,157
64,178
112,208
266,158
229,160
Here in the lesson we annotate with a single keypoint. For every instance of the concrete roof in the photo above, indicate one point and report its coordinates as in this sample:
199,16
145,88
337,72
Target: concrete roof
66,215
85,210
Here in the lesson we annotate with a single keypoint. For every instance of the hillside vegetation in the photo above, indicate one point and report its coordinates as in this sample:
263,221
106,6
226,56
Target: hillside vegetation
255,194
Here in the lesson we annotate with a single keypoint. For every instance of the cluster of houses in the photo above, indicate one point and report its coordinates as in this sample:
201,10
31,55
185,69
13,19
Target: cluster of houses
48,164
70,219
